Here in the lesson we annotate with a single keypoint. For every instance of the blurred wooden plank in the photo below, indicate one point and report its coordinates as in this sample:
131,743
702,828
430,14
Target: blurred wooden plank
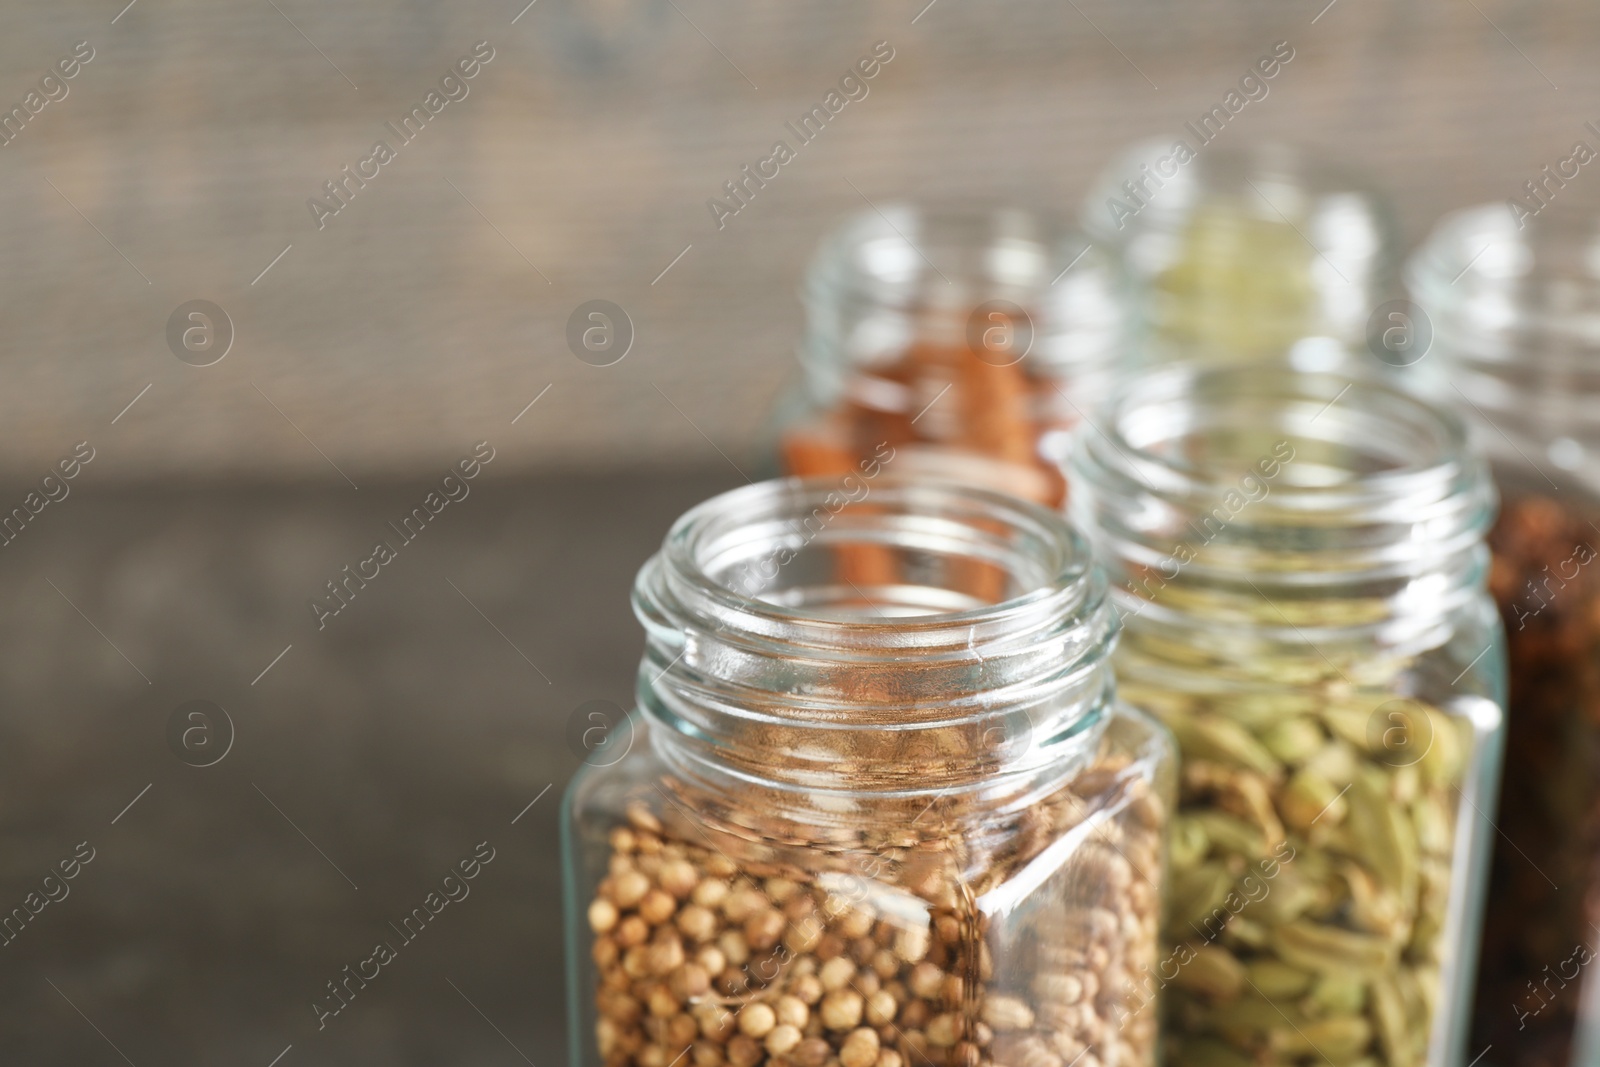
410,326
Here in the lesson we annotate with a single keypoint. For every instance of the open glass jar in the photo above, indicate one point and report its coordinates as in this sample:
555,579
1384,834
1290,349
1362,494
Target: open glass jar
1515,311
870,821
1231,253
966,339
1299,565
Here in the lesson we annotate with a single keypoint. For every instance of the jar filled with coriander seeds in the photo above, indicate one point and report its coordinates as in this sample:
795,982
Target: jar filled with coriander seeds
880,807
1299,565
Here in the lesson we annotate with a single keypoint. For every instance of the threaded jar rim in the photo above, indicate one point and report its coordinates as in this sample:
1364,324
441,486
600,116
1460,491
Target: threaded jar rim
1364,513
762,665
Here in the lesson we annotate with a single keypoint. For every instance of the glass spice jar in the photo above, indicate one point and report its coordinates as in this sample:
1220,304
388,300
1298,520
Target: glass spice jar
965,339
1230,254
1514,306
870,820
1298,562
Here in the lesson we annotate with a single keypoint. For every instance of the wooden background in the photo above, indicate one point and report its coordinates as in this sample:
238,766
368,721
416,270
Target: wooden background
410,327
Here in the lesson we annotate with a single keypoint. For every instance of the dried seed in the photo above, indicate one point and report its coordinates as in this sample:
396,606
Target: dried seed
1293,740
1329,949
782,1039
1310,799
711,958
1230,835
631,931
743,1051
1189,843
1007,1013
911,943
1339,1038
807,989
926,980
662,1004
860,1048
1214,971
665,955
1277,980
710,892
602,915
643,819
1217,738
812,1052
1384,836
757,1020
836,974
763,928
1336,994
697,923
841,1009
944,1030
1389,1020
734,947
629,889
881,1008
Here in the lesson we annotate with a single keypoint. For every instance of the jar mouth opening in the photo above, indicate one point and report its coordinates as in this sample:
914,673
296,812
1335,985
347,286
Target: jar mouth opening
1488,248
1160,183
868,562
1316,443
907,254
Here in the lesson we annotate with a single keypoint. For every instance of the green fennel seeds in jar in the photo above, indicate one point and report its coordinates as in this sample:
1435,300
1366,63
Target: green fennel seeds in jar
1299,566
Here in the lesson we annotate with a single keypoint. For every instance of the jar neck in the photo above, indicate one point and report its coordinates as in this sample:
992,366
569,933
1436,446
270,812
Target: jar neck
884,284
846,650
1241,249
1255,512
1515,310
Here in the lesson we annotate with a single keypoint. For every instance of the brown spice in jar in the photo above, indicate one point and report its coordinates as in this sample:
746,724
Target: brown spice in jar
1544,889
942,411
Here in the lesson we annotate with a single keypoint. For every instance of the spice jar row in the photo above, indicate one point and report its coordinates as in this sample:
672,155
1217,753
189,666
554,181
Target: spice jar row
909,819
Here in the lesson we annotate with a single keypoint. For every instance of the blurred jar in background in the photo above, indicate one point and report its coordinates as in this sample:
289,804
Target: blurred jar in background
1298,561
1515,313
1230,254
957,342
